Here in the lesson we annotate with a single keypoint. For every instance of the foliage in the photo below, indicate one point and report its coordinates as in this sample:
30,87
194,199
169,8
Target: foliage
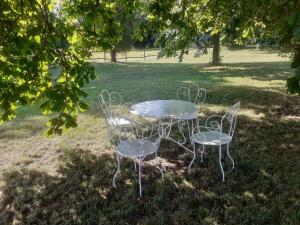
30,40
181,21
264,15
104,24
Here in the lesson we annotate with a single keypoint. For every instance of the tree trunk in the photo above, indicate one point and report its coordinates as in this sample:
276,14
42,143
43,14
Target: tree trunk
181,56
113,55
216,60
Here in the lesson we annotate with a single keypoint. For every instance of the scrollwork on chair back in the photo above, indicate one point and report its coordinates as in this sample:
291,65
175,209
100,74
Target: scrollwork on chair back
103,99
200,94
107,100
193,93
183,93
225,123
230,119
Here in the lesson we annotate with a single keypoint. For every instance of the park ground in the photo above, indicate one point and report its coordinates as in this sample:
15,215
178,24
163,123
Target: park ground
67,179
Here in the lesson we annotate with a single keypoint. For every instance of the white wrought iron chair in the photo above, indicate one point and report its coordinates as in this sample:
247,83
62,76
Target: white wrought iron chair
110,103
136,141
197,95
218,131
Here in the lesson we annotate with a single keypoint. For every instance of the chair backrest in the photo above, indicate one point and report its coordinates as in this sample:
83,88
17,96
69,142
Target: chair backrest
107,100
230,118
192,93
135,131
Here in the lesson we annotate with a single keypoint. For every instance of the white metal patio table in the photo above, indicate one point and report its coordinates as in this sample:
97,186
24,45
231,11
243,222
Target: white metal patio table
167,112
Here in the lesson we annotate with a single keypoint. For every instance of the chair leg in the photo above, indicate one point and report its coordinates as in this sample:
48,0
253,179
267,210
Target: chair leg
118,170
135,164
202,152
140,177
220,162
194,156
230,156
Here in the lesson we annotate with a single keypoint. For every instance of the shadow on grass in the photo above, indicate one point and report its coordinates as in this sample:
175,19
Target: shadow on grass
266,101
262,190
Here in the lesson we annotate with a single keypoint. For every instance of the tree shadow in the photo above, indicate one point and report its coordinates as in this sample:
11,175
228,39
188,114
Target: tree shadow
262,190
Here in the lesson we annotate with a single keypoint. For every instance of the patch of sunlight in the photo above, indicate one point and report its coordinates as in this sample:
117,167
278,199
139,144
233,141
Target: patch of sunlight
187,184
290,118
252,114
91,133
265,173
252,82
211,221
222,68
128,182
188,81
248,194
165,163
102,192
246,112
208,193
263,196
216,108
213,68
176,185
38,188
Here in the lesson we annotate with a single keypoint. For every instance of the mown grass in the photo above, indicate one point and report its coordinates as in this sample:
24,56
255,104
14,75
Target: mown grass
67,180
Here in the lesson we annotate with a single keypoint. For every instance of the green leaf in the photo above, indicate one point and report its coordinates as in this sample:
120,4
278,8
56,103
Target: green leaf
81,82
83,106
23,101
37,39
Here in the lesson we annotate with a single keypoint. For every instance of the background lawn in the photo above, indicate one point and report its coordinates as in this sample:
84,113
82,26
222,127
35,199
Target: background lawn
67,180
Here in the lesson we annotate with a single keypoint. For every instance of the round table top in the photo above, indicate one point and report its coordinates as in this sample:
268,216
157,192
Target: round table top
164,108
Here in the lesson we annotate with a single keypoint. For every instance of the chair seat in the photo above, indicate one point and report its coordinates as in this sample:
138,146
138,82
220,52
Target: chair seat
136,148
191,116
119,121
211,138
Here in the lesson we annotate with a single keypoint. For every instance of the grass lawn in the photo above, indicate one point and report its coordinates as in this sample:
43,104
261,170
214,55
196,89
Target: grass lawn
67,179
